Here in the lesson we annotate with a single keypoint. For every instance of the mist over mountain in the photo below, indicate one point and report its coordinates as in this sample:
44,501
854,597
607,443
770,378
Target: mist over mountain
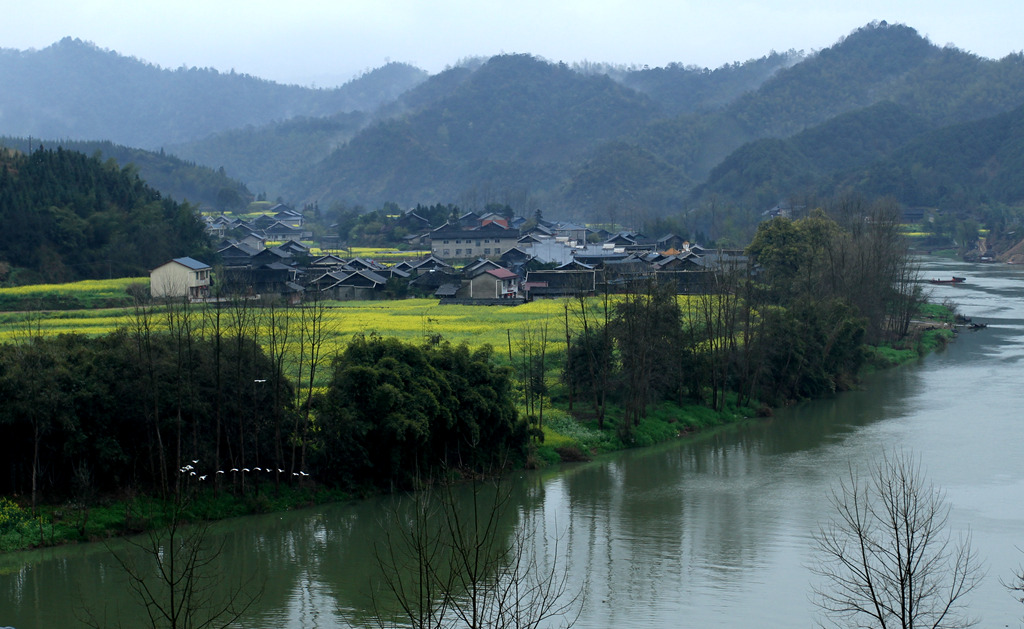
511,127
876,63
760,173
961,167
265,156
76,90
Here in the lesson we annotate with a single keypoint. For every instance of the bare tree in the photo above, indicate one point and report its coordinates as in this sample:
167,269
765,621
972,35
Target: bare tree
314,329
458,561
594,339
275,342
714,318
532,343
175,576
142,327
887,558
1016,586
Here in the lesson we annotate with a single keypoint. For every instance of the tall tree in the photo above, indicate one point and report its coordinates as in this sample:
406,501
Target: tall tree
887,558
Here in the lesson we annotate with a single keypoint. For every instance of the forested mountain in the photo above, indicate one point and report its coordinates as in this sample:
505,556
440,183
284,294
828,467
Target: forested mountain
879,151
69,217
264,157
687,89
877,63
505,132
523,131
961,167
74,89
173,177
762,172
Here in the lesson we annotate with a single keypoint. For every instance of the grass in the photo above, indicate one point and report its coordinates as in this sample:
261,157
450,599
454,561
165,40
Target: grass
73,522
84,295
938,317
569,437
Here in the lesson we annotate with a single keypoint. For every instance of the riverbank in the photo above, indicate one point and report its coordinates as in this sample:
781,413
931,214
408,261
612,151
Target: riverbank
930,331
568,437
113,516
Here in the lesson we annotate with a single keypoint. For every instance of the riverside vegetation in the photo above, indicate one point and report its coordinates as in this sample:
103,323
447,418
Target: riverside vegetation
176,397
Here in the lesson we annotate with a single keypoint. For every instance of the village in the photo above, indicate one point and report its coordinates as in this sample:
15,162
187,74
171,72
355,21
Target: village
479,258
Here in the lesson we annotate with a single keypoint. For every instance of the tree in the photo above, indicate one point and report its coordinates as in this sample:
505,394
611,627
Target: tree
887,558
453,561
1016,586
532,369
394,413
174,575
646,327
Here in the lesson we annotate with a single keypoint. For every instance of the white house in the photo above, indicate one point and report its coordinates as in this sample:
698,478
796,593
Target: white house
181,277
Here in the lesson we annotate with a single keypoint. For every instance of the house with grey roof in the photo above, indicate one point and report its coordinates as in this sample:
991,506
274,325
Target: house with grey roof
180,278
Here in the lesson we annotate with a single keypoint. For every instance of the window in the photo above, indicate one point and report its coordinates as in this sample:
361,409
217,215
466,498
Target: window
487,240
447,252
446,242
469,252
458,252
497,250
478,243
487,252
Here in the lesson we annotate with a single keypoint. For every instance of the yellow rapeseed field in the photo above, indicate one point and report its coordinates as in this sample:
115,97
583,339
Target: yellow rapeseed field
380,254
408,319
85,286
412,320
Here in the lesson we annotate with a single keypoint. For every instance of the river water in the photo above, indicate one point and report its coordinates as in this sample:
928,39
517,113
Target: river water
710,532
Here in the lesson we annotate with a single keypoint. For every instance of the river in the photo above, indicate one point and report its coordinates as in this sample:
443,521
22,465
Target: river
714,531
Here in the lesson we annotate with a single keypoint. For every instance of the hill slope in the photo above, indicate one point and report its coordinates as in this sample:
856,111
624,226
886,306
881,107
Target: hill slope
69,217
877,63
508,128
75,90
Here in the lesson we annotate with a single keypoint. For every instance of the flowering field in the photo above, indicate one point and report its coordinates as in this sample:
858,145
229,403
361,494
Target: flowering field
408,319
380,254
75,295
414,320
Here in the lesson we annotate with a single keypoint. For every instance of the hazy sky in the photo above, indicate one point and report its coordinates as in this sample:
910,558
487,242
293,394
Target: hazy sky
328,42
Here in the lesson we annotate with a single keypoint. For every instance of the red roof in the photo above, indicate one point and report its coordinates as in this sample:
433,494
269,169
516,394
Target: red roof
502,274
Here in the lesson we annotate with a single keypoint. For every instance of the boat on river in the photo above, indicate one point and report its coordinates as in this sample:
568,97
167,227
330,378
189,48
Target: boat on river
953,280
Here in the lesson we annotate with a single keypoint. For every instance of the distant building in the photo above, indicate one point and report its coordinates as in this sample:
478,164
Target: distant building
455,242
181,277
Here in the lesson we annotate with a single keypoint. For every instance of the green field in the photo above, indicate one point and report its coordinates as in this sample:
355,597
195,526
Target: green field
408,319
87,294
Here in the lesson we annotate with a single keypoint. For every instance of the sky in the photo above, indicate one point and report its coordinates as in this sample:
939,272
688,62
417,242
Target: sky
328,42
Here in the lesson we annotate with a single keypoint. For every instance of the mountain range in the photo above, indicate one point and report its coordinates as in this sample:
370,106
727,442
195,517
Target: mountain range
882,111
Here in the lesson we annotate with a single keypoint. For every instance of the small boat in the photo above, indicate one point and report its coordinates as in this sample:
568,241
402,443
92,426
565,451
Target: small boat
977,326
953,280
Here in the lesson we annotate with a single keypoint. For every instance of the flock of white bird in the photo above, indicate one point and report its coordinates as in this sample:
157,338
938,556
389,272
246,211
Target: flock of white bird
191,471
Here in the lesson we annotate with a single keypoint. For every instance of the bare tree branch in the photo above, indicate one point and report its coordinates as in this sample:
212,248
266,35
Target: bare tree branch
887,558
